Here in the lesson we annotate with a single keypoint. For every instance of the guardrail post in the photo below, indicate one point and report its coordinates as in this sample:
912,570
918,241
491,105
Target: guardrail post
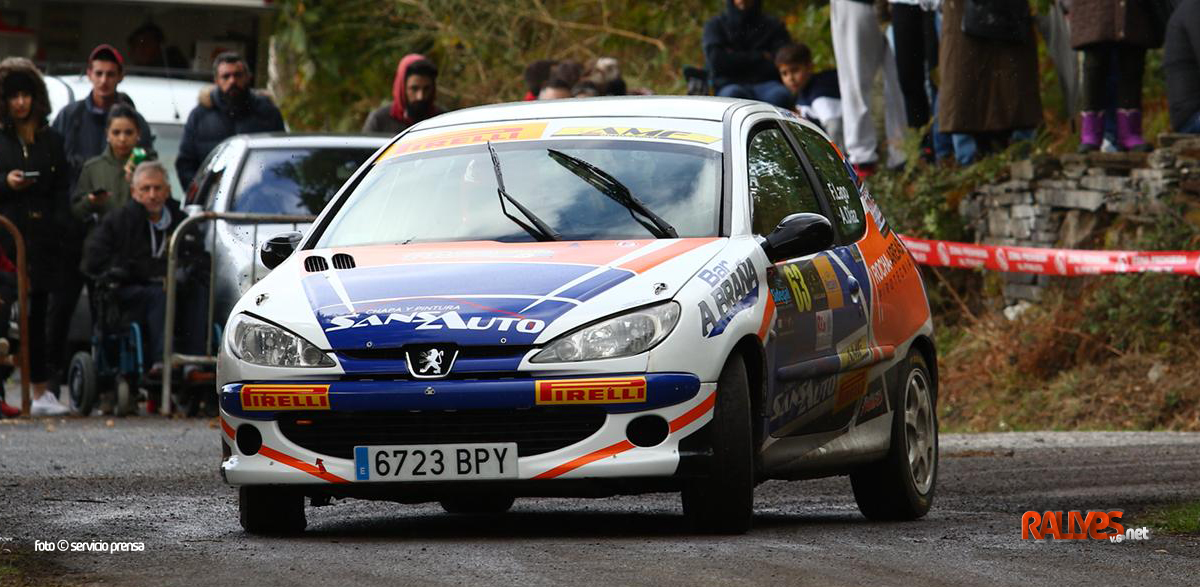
22,312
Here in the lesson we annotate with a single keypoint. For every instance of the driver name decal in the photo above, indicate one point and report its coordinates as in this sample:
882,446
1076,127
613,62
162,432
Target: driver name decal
734,289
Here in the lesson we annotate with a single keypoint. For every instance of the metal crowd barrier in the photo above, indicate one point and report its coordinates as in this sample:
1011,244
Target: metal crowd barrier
22,312
172,359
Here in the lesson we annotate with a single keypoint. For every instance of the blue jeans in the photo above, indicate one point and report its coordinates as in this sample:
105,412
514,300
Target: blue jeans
1192,126
772,92
966,147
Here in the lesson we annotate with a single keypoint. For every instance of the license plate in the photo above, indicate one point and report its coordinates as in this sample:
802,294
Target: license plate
436,462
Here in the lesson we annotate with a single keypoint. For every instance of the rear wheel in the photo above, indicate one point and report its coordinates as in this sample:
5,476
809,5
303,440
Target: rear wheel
271,510
81,381
484,504
722,500
901,487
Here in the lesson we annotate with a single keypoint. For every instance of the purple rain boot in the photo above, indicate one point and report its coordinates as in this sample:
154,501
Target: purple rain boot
1129,131
1091,130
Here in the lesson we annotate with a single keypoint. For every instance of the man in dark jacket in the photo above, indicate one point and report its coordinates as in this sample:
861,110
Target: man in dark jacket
740,45
130,247
413,91
231,108
1181,66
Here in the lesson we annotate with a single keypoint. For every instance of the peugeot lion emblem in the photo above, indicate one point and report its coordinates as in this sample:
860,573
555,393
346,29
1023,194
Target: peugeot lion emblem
430,361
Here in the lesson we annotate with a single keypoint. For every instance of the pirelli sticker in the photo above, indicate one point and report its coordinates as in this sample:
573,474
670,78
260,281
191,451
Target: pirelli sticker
258,397
630,132
471,136
609,390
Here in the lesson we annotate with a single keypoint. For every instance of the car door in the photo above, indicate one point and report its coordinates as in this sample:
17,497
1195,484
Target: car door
821,323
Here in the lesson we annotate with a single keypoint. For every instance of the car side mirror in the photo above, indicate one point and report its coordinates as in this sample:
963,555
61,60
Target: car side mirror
798,235
278,248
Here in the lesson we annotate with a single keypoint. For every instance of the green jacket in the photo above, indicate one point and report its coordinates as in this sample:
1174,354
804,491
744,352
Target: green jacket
102,172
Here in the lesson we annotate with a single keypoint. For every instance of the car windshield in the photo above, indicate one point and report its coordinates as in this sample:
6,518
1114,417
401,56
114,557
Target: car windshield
450,195
294,181
166,145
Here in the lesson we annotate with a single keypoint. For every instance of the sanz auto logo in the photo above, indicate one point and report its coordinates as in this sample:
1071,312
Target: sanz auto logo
430,361
438,320
273,397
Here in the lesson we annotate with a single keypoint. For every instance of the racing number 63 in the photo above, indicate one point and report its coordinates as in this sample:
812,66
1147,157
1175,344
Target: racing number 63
799,288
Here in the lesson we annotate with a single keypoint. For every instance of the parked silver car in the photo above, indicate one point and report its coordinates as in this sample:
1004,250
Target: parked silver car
273,173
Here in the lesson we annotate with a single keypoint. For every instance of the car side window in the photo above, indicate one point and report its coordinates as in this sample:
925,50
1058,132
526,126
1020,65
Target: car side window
778,183
831,171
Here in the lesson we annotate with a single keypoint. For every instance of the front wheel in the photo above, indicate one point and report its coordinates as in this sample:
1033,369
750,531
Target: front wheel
271,510
901,486
722,500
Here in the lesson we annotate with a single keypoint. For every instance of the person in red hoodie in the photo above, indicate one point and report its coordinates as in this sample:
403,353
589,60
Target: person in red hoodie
413,93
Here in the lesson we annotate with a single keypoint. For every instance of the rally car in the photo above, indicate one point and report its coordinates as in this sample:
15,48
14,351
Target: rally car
585,298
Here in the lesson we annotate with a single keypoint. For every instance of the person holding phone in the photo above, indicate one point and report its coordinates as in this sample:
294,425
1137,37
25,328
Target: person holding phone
35,175
104,182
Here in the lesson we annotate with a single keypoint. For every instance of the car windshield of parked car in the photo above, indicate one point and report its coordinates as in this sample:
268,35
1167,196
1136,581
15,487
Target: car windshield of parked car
166,145
451,194
294,181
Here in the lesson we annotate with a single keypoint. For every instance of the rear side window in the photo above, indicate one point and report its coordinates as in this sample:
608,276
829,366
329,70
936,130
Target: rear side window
831,170
778,185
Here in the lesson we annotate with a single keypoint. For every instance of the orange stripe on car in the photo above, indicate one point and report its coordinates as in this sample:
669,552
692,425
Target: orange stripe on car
687,418
768,314
296,463
227,428
656,258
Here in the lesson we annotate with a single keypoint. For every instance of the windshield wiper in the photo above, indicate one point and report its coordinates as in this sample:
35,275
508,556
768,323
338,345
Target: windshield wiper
609,186
540,230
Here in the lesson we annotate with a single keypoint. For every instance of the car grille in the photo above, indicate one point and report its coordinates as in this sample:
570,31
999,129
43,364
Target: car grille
535,430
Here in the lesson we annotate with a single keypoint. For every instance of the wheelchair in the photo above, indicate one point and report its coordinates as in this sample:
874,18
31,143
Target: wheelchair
117,362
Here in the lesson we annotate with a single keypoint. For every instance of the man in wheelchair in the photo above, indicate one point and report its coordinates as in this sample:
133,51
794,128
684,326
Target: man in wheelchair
127,256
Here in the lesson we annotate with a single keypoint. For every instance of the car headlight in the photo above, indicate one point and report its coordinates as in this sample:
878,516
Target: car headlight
621,336
260,343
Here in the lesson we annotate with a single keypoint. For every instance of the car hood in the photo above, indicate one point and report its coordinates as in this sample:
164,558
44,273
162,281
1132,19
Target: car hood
487,293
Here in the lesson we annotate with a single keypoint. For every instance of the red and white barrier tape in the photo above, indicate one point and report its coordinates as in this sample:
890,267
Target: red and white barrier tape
1050,261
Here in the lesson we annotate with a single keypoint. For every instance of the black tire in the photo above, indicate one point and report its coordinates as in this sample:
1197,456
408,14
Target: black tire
721,501
483,504
271,510
82,383
900,487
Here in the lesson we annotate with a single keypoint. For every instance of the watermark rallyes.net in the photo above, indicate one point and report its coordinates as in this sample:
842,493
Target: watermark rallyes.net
93,546
1076,525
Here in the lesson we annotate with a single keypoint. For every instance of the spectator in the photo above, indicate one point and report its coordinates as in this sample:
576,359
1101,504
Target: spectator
8,295
146,49
740,45
103,185
228,109
414,90
861,50
129,247
1114,36
989,88
604,73
916,45
34,168
585,89
81,123
567,70
536,74
555,89
1181,66
815,95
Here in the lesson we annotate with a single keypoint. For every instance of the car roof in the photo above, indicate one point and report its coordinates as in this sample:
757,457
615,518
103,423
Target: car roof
283,140
159,100
693,107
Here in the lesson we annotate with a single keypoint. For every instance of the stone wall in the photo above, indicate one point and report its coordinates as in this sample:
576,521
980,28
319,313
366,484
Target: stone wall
1067,201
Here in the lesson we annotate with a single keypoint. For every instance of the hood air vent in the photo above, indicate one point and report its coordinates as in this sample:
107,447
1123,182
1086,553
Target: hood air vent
315,264
343,261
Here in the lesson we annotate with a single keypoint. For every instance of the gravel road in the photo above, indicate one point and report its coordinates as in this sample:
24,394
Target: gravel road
154,481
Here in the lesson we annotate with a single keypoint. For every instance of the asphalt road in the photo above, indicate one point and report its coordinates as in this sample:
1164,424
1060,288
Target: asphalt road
154,481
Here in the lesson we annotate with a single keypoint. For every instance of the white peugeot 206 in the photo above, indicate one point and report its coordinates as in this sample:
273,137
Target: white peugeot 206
585,298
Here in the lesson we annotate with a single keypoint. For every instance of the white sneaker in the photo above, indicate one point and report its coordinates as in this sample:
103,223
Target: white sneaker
47,404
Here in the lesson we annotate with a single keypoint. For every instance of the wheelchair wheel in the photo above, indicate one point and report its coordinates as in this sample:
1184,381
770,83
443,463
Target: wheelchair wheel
126,397
81,382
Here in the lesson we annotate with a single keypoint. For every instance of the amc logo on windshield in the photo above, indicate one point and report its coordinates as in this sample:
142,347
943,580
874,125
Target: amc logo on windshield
609,390
263,398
